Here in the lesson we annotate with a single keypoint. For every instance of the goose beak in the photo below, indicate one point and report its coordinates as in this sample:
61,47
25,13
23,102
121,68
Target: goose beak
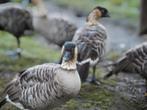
107,15
67,56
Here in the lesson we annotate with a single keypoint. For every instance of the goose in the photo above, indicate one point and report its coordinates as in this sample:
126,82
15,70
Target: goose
4,1
54,30
133,61
45,86
90,40
15,20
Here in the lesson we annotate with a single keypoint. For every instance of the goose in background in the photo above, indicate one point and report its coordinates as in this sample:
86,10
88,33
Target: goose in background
54,30
133,61
4,1
45,86
90,40
16,20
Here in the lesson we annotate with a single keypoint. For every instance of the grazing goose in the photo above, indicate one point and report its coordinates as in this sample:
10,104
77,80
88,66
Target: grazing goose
90,40
54,30
16,21
45,86
134,61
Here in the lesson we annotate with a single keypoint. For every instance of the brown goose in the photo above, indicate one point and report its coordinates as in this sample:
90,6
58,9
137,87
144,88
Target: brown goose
45,86
15,20
54,30
133,61
90,40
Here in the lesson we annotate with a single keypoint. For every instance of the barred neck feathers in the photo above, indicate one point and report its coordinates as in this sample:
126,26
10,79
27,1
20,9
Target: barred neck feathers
96,24
92,22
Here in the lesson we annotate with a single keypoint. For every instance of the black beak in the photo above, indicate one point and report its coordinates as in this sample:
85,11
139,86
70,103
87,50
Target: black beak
107,15
67,56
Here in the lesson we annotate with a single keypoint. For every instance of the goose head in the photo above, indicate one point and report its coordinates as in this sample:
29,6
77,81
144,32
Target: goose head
69,56
35,2
97,13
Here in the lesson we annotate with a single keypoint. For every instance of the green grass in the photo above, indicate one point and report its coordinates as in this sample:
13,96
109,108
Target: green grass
34,52
90,97
119,9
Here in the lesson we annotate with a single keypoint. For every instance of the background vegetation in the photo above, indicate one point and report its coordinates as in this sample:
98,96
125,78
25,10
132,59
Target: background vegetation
119,9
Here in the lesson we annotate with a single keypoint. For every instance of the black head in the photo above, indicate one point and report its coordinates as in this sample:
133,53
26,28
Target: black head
69,51
104,11
31,1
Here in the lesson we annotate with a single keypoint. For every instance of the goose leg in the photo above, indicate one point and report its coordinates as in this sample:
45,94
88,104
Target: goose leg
18,50
145,94
93,79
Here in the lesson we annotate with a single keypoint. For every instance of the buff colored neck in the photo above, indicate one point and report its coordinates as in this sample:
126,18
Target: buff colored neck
71,65
93,17
40,9
92,22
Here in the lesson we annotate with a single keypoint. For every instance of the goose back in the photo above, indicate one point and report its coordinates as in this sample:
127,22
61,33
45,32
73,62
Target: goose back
133,61
15,20
56,31
90,41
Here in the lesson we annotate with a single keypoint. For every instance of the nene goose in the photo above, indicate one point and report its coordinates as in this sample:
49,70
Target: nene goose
90,40
15,20
45,86
134,61
54,30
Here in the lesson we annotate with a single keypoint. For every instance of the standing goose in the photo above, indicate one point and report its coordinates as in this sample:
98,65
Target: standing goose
16,21
90,40
45,86
54,30
134,61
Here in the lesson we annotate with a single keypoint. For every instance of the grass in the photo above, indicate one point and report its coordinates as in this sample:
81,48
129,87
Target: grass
90,97
119,9
34,52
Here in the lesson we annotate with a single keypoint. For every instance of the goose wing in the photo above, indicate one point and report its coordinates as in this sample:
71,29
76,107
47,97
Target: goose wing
90,41
31,79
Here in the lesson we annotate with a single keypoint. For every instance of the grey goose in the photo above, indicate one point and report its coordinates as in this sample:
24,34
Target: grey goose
45,86
90,40
16,20
132,61
54,30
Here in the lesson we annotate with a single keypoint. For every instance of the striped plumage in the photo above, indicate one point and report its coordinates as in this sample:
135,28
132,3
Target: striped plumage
134,61
45,86
15,21
90,40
